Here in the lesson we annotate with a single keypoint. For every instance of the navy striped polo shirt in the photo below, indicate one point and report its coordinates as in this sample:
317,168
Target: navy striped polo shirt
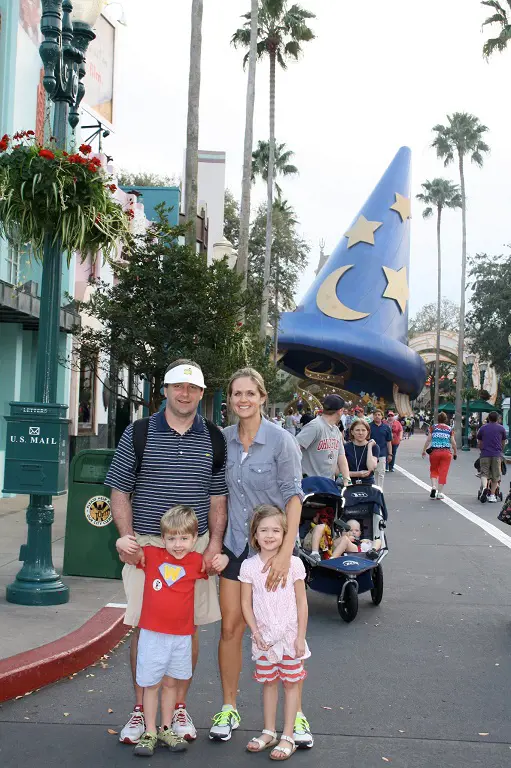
176,469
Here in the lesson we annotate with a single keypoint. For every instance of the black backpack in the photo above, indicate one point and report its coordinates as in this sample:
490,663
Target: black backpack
141,428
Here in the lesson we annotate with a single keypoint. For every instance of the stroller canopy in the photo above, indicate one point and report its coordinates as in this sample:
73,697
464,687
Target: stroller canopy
322,485
357,495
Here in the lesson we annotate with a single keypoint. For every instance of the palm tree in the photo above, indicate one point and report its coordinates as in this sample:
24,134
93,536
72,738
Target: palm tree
282,166
242,261
500,17
281,31
192,124
439,194
462,137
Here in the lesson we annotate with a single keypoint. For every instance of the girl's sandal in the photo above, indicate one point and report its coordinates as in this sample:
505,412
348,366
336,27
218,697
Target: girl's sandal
261,744
285,752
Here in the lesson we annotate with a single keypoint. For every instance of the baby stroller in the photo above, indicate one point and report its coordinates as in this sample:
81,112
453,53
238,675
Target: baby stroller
350,574
483,497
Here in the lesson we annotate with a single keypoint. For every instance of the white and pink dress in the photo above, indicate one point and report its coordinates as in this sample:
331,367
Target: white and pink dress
277,621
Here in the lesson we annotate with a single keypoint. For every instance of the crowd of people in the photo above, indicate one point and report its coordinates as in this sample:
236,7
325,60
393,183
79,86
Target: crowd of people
193,501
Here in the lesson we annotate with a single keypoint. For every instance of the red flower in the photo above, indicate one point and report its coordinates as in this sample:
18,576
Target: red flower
17,146
77,159
85,149
3,146
47,153
95,161
30,133
65,154
92,167
112,188
5,138
130,214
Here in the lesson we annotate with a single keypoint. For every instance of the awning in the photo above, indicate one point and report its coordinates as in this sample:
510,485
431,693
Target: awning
20,305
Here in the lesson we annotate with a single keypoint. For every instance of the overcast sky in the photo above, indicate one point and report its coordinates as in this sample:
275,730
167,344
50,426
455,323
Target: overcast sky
379,75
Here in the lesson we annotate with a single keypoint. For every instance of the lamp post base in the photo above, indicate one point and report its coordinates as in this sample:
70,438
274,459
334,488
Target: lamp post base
38,583
465,446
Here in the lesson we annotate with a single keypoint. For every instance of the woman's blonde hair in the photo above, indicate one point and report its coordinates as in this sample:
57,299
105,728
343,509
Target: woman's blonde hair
363,423
261,513
179,519
249,373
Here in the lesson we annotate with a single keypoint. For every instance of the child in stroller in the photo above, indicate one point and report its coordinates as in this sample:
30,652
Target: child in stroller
352,541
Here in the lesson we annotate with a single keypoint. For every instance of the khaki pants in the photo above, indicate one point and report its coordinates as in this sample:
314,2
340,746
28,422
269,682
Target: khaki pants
207,607
379,472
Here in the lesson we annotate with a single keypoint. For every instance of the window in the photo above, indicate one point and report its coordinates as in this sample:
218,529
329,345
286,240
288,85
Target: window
86,396
13,265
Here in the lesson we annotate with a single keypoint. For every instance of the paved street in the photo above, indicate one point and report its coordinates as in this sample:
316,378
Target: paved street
421,681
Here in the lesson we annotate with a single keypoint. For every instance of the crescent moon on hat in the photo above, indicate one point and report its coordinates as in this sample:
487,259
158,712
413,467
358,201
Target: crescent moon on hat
328,301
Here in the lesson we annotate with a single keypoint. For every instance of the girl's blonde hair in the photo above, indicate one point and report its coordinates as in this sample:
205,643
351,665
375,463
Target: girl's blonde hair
249,373
262,512
179,519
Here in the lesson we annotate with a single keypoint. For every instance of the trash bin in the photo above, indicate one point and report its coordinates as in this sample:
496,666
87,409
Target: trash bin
89,547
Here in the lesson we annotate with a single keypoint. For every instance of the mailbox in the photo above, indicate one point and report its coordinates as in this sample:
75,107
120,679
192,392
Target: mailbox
36,449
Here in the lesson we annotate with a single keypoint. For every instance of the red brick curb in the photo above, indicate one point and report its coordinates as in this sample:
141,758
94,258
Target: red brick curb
49,663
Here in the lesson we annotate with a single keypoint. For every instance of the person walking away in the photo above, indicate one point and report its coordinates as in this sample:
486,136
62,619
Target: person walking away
166,623
382,436
181,460
263,467
397,436
441,446
491,441
278,623
289,422
322,444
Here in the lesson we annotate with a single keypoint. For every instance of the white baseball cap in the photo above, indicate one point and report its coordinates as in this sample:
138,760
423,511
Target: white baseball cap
182,374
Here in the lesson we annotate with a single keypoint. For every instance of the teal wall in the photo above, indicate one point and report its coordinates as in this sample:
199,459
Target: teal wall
153,196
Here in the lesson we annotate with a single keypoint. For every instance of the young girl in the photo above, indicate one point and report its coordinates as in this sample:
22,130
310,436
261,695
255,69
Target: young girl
278,621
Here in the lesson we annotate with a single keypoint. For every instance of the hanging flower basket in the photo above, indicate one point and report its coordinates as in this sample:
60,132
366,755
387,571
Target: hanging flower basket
45,191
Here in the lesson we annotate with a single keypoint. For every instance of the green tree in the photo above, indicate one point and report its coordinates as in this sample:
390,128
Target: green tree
146,179
437,195
244,215
490,315
232,220
282,166
282,29
166,303
192,122
426,318
462,137
500,16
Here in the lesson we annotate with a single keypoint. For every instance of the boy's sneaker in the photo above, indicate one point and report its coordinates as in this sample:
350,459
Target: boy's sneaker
224,723
146,745
492,498
182,724
167,738
432,494
134,728
302,735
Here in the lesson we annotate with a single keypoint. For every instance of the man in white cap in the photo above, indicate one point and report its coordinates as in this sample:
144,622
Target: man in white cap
174,457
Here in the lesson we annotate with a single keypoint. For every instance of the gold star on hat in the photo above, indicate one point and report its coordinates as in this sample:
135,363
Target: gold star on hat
397,286
402,206
362,231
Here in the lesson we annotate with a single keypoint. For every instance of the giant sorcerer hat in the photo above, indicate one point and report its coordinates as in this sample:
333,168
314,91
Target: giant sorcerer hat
350,329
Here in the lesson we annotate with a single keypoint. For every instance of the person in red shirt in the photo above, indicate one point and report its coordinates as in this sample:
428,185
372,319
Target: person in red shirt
397,435
166,623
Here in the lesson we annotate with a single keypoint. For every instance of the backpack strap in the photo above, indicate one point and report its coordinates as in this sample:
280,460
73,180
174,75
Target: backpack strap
139,436
219,446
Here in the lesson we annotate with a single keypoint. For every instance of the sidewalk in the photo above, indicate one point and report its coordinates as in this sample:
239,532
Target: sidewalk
83,621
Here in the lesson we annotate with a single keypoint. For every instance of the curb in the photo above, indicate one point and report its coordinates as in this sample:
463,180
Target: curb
41,666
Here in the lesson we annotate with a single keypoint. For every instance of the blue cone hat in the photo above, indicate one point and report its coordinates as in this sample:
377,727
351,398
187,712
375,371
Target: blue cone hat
350,329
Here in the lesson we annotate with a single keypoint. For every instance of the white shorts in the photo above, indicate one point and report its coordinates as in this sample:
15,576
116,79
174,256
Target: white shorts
161,655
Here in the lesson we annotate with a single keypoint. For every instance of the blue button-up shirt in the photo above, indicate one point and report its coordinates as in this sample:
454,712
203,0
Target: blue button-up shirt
271,473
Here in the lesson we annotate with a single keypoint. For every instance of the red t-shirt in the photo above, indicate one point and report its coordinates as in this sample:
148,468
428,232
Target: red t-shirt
169,590
397,432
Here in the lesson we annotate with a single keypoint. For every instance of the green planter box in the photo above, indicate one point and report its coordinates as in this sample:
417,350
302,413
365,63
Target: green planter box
89,548
36,449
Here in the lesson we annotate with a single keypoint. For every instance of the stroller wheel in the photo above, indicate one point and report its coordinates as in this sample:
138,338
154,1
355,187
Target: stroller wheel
348,606
377,590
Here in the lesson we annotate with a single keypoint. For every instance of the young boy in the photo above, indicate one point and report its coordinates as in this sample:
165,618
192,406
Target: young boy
352,541
166,624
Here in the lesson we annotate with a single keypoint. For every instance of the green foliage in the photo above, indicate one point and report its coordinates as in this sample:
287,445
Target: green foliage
281,31
505,384
282,166
425,319
146,179
166,304
462,136
499,17
231,219
439,194
490,316
44,192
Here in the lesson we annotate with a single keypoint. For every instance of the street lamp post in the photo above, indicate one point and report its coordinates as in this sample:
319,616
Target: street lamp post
470,368
63,54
